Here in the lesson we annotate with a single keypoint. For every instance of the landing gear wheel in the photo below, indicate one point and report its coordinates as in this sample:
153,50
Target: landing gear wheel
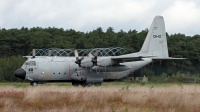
97,84
33,84
89,84
83,84
75,84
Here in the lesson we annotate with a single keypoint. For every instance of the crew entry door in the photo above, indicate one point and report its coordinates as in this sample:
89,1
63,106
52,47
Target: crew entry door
31,70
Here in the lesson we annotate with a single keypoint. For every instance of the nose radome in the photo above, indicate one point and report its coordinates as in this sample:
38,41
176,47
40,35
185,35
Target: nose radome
20,73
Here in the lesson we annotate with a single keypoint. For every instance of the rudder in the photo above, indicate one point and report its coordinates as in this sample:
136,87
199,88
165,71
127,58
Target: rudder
155,43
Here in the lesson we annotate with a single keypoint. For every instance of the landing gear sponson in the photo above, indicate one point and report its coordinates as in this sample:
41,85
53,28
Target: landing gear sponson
75,84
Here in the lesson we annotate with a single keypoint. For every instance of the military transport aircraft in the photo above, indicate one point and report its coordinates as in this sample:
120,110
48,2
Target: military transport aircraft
92,69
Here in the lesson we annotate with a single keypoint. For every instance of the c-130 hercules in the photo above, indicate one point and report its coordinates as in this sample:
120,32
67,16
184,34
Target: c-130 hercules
93,69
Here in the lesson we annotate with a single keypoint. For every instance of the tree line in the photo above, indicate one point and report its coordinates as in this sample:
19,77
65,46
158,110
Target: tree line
15,43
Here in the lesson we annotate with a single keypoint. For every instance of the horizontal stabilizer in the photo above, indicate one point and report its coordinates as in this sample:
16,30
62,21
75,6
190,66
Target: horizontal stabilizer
168,58
129,58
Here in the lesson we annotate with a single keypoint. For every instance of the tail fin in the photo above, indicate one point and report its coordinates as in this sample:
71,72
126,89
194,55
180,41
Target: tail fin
155,43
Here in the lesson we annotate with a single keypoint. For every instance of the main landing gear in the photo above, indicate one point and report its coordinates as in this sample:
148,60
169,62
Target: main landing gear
75,84
85,84
97,84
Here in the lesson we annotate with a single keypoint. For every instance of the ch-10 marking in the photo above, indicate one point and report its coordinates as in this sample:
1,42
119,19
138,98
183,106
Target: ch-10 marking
156,36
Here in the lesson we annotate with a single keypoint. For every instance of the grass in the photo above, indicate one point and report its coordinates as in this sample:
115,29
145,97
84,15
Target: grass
110,97
115,83
27,84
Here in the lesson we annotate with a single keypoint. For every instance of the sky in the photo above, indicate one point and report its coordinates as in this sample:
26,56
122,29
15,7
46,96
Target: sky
180,16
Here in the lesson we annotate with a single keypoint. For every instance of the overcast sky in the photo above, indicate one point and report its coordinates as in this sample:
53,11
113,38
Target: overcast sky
181,16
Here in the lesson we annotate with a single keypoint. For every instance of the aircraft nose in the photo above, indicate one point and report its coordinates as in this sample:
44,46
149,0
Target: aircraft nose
20,73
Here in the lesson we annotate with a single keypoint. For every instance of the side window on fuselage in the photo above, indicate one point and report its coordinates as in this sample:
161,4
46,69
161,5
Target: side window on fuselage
26,63
30,70
31,63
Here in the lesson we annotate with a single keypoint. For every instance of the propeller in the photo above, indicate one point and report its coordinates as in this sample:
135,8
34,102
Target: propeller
78,61
87,59
94,58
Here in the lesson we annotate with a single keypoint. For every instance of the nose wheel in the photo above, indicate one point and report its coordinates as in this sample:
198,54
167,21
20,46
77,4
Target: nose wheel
33,83
84,84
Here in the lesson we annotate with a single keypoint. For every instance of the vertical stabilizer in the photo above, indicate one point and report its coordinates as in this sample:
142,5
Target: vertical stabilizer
155,43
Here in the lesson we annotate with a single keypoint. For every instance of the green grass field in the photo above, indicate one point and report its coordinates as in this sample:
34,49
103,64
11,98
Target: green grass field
27,84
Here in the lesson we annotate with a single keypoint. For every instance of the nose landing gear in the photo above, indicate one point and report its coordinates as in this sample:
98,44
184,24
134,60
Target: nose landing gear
33,84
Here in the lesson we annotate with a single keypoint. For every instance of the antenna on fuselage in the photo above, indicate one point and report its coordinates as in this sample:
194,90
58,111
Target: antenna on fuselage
33,53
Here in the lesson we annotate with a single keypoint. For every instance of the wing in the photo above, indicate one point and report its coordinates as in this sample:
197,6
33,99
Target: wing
121,59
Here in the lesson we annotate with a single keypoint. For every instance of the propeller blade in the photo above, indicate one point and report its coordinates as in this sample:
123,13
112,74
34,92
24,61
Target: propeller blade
96,53
78,61
81,58
90,55
94,58
50,51
76,53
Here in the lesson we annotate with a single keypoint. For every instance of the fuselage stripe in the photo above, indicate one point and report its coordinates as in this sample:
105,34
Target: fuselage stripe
68,72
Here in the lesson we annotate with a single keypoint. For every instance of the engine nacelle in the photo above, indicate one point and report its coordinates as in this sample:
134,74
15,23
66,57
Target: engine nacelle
104,61
86,63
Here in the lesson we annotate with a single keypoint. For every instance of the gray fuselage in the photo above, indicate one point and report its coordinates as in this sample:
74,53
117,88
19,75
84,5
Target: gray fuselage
63,69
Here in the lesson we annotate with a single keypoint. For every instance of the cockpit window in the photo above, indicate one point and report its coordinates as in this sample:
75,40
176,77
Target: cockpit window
30,70
31,63
26,63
